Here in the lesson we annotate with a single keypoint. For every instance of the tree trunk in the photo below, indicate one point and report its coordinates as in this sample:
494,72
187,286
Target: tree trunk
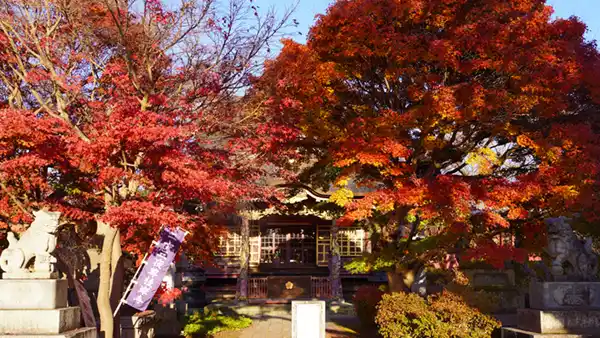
335,265
242,292
116,279
104,308
396,281
403,278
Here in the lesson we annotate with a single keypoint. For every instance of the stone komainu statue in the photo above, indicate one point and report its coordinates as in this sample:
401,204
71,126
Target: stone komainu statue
565,247
36,243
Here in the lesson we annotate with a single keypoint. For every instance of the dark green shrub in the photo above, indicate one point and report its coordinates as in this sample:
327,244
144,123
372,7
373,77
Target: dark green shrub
444,315
365,302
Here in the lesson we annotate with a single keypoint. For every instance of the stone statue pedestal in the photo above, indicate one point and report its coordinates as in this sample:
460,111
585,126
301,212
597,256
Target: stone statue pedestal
565,295
38,308
559,310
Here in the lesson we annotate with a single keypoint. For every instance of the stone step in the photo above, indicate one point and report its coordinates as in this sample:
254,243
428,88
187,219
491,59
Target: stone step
22,294
518,333
39,322
87,332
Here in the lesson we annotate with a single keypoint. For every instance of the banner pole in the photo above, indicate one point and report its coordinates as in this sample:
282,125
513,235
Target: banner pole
133,279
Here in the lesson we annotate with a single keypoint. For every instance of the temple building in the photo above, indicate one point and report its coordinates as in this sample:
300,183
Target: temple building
273,254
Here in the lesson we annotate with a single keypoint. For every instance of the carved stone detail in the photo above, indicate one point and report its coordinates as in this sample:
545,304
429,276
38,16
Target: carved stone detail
566,248
574,295
36,243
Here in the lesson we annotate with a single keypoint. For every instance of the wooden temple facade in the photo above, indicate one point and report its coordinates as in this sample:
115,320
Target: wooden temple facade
270,256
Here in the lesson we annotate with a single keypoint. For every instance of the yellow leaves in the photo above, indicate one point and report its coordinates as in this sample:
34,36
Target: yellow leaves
431,142
341,196
484,159
489,154
344,162
25,143
517,213
341,181
566,191
385,207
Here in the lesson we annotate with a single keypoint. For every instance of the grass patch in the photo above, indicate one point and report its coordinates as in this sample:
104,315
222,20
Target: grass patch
210,322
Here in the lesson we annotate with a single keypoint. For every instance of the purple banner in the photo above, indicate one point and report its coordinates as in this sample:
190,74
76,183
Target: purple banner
155,268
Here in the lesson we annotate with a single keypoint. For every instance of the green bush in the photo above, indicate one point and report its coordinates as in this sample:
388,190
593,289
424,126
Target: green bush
209,323
365,304
445,315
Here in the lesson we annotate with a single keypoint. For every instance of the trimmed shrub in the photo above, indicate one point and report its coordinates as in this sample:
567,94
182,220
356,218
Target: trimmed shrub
209,323
444,315
365,302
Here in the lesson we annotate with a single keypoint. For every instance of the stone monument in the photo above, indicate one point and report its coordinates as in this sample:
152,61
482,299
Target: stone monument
308,319
568,304
33,301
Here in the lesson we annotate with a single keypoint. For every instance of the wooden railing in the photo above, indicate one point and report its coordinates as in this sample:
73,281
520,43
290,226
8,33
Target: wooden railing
321,287
257,288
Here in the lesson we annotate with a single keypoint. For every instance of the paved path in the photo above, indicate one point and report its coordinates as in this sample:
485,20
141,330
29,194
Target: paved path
280,326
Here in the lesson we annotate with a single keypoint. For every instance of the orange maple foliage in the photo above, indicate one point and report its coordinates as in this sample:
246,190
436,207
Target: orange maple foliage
480,113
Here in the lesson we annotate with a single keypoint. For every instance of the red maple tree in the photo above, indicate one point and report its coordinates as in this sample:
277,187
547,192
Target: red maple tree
117,114
465,120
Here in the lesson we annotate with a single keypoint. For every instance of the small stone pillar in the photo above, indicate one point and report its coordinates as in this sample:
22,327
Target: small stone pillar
140,325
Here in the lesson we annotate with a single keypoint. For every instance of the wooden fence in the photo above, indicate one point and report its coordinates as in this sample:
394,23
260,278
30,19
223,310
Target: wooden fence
320,288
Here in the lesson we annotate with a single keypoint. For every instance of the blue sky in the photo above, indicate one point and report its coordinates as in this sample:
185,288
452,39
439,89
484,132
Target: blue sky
587,10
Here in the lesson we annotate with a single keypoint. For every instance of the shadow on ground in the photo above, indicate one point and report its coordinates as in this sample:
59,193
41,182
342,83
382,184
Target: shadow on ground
348,327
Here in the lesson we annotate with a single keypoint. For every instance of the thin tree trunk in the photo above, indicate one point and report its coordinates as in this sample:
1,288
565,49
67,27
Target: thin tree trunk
116,279
335,265
242,292
402,277
104,308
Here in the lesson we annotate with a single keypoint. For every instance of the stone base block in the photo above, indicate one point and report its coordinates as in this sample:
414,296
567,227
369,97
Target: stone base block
482,278
564,295
39,322
510,300
507,319
22,294
517,333
574,322
30,275
88,332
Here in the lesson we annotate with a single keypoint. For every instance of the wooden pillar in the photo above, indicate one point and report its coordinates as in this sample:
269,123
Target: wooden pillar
242,283
335,265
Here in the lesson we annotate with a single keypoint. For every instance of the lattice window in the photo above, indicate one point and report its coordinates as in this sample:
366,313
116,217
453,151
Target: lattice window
323,245
351,241
230,244
254,244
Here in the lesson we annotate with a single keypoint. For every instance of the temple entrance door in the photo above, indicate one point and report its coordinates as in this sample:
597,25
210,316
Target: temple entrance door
289,246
